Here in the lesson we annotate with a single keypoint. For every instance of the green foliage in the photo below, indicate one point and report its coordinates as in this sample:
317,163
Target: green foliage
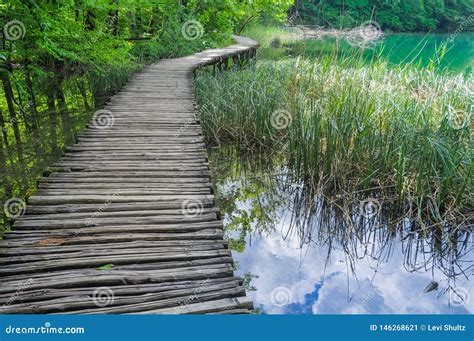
395,15
351,127
105,267
61,60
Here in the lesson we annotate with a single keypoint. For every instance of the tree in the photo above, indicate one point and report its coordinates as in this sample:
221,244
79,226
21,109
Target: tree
407,15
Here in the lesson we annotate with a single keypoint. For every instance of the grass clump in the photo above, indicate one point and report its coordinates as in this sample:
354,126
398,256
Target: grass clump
345,127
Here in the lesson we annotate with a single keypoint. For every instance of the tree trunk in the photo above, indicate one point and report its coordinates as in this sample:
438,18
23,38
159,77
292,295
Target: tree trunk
90,20
138,22
83,92
32,118
77,9
52,122
6,185
3,173
112,18
32,104
4,130
7,87
64,113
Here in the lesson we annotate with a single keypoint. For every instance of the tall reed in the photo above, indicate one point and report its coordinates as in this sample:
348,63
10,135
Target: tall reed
344,126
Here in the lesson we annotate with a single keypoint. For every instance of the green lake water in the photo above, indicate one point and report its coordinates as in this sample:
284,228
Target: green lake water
397,48
401,48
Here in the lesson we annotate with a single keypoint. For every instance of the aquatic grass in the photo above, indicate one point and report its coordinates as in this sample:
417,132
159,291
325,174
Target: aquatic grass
257,198
353,127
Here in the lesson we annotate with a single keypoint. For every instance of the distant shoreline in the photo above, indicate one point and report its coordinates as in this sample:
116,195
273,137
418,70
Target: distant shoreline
321,32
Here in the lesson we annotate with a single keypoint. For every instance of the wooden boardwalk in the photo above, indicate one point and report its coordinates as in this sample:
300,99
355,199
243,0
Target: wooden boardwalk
126,222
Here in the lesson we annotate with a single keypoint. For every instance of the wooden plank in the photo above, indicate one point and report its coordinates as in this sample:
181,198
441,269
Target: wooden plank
113,238
38,250
119,290
86,199
99,260
208,307
102,213
135,195
142,267
84,278
16,259
167,223
177,203
126,303
179,303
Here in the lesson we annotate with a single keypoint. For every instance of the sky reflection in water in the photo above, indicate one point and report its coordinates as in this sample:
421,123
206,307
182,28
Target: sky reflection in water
294,280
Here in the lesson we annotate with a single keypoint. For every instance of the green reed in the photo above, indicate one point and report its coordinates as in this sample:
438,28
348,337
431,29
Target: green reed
345,126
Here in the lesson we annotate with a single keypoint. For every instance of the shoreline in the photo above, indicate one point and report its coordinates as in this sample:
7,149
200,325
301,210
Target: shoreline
321,32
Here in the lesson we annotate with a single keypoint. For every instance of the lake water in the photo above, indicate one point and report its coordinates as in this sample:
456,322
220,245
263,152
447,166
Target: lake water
399,48
299,256
301,261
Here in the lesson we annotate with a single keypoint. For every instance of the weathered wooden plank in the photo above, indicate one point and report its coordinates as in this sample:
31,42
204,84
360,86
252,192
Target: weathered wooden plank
107,252
179,303
66,178
218,263
115,207
117,185
112,238
184,220
38,250
126,303
119,290
132,174
68,232
98,260
123,191
103,213
87,199
134,194
83,278
207,307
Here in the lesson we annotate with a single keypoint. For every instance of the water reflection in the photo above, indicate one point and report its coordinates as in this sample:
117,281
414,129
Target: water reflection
309,254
